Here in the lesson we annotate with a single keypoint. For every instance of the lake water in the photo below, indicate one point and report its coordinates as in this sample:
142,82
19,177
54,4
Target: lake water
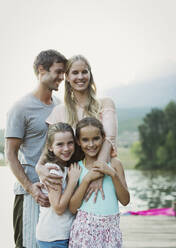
150,189
147,189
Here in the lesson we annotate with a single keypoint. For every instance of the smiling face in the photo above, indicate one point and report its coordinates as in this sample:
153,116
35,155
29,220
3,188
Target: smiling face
78,76
63,146
51,79
91,141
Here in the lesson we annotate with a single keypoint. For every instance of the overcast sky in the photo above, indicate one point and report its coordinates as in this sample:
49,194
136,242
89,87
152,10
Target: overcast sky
124,40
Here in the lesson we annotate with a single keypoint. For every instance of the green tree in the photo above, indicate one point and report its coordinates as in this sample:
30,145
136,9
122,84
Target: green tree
151,137
157,137
136,149
170,113
161,155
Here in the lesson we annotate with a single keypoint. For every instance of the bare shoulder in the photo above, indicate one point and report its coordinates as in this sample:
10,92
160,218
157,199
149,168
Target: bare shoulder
107,102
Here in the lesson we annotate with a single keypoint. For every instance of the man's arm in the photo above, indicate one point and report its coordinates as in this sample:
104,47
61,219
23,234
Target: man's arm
12,146
49,179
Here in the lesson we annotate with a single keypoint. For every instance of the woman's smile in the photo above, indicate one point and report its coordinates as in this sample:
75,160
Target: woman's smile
79,76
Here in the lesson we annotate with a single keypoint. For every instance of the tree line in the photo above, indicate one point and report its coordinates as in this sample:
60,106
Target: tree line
156,148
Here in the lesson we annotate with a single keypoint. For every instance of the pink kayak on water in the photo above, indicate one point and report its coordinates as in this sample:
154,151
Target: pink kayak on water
154,211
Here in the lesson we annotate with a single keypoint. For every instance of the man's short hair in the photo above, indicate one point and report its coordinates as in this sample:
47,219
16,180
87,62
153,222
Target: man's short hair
47,58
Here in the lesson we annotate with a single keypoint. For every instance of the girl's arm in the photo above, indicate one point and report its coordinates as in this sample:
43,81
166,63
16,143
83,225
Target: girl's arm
118,177
60,201
79,194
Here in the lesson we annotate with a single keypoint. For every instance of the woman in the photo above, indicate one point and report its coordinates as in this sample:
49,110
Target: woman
80,101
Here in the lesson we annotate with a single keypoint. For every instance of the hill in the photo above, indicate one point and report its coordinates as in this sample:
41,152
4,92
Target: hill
155,92
128,121
130,118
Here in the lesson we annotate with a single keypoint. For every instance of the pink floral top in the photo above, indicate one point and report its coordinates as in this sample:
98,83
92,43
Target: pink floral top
108,116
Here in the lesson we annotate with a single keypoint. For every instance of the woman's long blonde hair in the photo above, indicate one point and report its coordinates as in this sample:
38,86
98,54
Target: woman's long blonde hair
92,107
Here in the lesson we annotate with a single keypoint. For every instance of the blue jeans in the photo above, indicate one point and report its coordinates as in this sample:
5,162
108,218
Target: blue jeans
53,244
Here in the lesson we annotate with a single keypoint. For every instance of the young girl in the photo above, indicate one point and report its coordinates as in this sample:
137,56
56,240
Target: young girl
97,224
54,223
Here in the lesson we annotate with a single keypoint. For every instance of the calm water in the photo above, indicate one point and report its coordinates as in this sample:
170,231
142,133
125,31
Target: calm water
150,189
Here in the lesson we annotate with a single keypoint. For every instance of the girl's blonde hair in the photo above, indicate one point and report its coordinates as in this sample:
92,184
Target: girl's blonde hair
49,156
93,107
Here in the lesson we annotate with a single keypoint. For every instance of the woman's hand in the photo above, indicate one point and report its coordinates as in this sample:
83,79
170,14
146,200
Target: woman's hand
96,179
74,173
49,179
104,168
95,186
93,175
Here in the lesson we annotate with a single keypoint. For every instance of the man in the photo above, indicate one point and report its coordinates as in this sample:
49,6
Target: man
25,135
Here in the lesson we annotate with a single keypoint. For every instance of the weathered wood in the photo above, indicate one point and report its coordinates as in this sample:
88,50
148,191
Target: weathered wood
148,231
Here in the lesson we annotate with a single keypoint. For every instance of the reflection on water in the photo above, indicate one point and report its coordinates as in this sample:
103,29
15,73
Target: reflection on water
150,189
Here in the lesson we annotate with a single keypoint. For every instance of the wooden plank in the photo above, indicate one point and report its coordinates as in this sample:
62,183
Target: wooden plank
148,231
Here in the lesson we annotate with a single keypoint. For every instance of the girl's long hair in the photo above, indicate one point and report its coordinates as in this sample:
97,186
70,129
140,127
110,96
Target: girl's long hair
92,107
49,156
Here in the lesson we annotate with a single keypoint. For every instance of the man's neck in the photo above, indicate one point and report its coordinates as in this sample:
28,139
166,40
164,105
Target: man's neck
43,94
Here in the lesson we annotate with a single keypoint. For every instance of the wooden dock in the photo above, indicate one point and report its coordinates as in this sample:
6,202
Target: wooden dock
148,231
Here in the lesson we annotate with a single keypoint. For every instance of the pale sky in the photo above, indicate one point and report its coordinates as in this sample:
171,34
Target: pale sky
124,40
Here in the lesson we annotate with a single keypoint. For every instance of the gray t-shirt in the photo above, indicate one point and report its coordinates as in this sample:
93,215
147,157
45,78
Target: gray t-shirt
26,120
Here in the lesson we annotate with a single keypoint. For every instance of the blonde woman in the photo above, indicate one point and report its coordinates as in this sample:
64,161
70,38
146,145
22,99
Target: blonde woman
80,101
